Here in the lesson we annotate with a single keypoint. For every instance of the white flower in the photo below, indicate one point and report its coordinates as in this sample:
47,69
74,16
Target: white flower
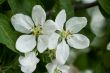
108,46
68,34
87,71
55,67
28,62
35,27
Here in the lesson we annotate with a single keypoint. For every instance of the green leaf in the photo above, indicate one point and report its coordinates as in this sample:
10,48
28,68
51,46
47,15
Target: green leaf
105,14
67,5
81,61
99,68
1,1
22,6
8,36
105,4
106,59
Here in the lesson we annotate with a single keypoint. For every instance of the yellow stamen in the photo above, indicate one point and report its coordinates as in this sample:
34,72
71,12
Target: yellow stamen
37,30
64,34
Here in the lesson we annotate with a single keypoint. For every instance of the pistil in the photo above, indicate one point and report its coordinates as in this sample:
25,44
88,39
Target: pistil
37,30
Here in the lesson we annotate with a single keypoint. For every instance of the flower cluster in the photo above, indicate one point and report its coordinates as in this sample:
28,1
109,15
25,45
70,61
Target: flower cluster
41,34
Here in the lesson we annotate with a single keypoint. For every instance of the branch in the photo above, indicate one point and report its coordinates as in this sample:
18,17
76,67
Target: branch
85,6
79,7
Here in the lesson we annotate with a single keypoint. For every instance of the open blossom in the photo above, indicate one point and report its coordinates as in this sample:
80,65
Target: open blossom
108,46
68,36
55,67
87,71
35,27
28,62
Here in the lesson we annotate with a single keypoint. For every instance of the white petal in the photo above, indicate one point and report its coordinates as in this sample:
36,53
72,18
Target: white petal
75,24
22,23
78,41
51,67
64,68
26,69
53,41
38,15
25,43
60,19
88,71
108,46
54,61
62,52
29,59
49,27
42,43
28,62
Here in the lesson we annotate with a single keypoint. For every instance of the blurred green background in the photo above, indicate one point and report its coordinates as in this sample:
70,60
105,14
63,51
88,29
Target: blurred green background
95,58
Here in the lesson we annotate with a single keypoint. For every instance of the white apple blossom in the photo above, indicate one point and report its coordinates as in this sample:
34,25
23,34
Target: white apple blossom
87,71
55,67
108,46
35,27
68,34
28,62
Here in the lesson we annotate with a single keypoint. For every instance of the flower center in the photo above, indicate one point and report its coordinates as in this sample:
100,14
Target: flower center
57,71
37,30
64,34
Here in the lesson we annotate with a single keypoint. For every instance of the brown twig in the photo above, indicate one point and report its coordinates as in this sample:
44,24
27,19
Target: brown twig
79,6
85,6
